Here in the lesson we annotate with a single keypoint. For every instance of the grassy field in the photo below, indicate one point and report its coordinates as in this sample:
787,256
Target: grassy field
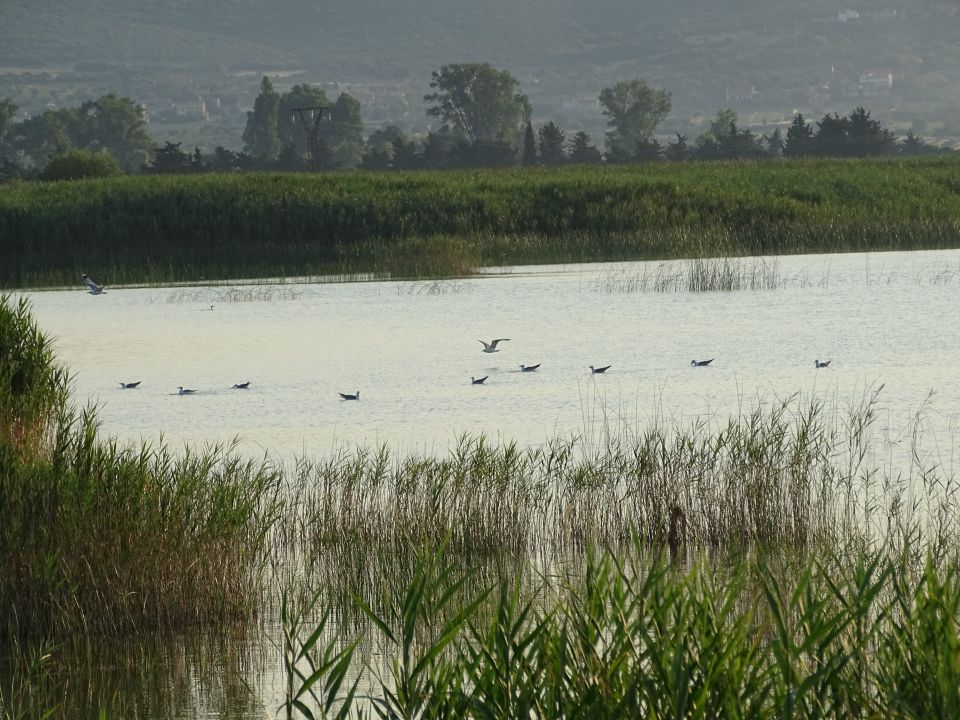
217,227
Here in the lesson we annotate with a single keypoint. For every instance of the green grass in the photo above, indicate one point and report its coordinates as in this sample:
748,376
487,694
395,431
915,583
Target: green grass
421,224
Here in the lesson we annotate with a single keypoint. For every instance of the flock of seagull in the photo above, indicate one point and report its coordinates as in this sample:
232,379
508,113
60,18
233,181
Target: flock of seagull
488,347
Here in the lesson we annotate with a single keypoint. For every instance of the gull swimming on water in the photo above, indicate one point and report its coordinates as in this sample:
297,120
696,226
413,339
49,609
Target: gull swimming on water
491,347
597,370
530,368
345,396
181,390
478,381
700,363
819,364
94,288
242,386
129,386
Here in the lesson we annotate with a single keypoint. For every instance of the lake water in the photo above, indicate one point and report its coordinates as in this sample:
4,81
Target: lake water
411,348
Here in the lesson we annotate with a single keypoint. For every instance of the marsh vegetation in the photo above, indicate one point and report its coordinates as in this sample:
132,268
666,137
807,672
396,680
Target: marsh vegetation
415,224
746,566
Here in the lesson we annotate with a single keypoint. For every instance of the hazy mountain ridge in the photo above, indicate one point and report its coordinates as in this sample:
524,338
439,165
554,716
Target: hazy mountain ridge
756,56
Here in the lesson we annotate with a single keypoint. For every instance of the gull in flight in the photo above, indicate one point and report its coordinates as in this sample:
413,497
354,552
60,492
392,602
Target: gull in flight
242,386
530,368
181,390
478,381
820,364
129,386
94,288
491,347
355,396
598,370
700,363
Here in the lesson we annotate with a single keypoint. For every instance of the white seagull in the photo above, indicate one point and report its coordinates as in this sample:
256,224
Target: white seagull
478,381
598,370
346,396
94,288
529,368
819,364
129,386
491,347
700,363
181,390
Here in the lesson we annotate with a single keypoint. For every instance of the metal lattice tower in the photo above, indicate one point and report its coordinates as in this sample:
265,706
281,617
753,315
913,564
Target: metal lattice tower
311,126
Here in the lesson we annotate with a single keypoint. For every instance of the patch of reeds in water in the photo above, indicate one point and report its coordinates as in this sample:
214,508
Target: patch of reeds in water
696,275
102,538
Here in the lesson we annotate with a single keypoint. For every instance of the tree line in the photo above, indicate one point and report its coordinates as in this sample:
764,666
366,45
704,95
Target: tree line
483,120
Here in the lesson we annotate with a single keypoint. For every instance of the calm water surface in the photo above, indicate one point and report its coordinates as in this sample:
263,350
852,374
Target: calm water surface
411,349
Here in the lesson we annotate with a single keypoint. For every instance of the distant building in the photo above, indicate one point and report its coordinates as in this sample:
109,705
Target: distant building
848,15
870,82
742,93
196,110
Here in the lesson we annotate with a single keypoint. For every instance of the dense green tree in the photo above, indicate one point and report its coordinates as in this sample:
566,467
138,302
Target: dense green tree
170,159
583,152
479,103
730,145
261,136
799,141
648,151
529,156
436,149
551,144
42,136
633,110
8,147
79,163
774,143
117,125
465,154
290,123
679,150
11,169
390,148
866,136
344,133
224,160
912,145
831,136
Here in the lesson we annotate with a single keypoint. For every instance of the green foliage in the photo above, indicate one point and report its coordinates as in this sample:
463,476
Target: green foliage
633,110
851,634
256,225
551,144
479,103
261,136
78,164
105,539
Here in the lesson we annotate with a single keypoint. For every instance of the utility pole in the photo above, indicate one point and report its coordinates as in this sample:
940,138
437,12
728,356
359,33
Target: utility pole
311,126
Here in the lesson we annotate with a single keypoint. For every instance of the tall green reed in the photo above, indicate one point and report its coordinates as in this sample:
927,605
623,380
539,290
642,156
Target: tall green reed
852,633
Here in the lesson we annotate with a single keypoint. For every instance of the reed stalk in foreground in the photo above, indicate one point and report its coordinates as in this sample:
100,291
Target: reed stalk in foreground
854,633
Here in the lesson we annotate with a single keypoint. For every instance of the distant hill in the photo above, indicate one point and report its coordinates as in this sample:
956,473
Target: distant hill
757,56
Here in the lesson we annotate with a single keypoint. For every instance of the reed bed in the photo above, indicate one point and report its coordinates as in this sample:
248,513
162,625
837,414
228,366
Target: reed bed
420,224
792,475
698,275
238,294
852,633
106,539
